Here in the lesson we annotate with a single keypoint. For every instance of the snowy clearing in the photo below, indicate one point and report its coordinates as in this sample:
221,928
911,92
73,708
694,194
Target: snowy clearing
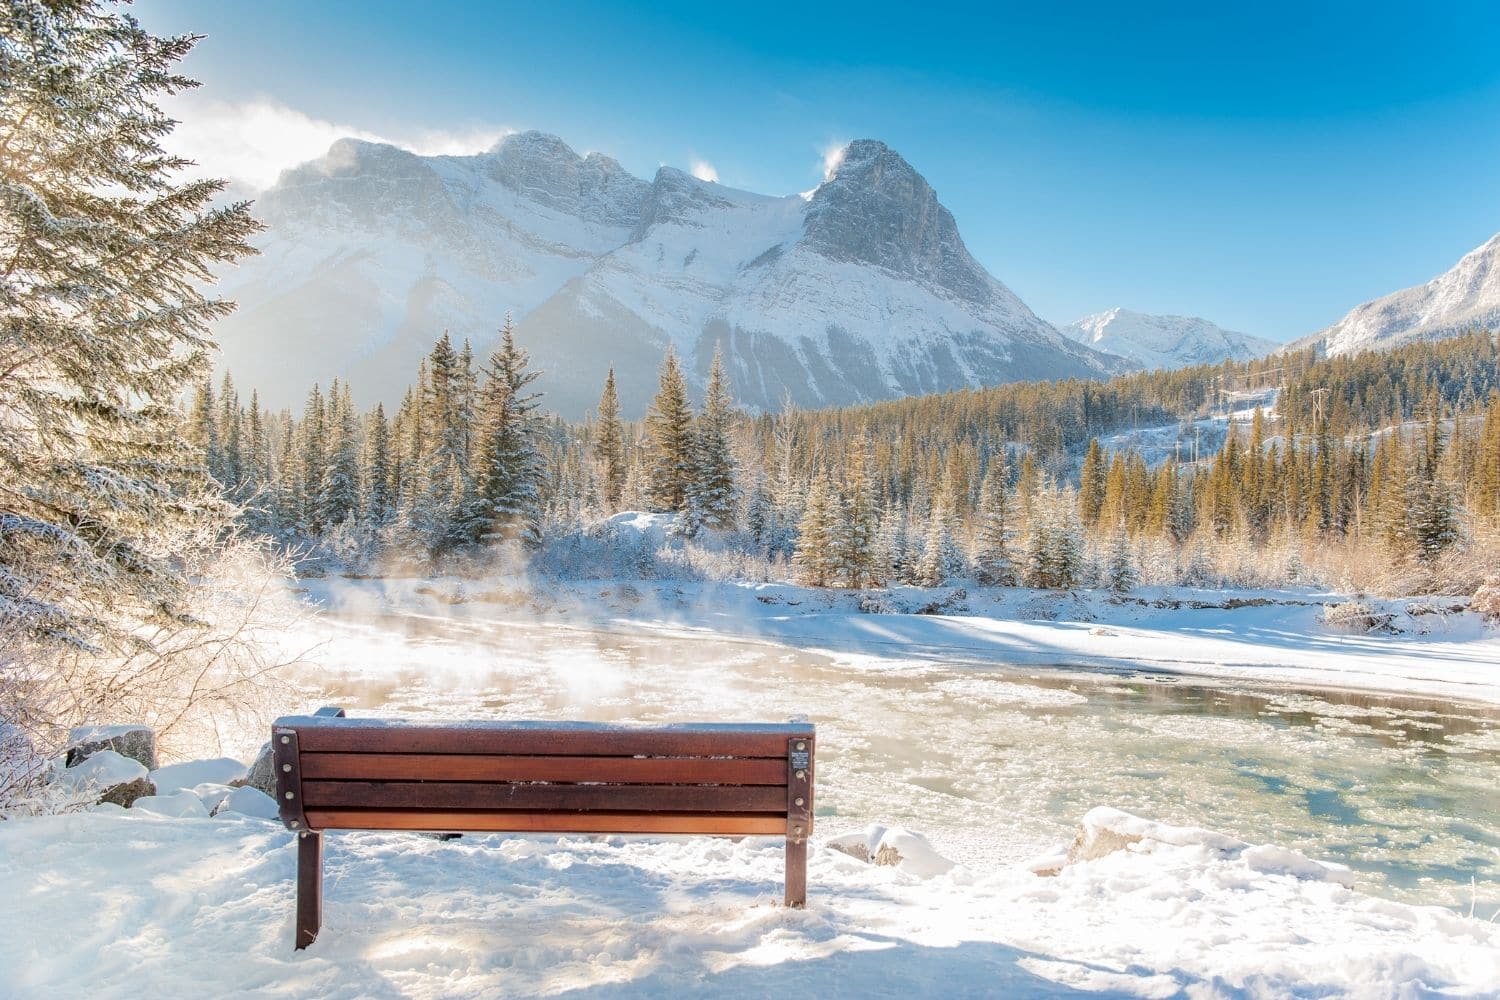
125,904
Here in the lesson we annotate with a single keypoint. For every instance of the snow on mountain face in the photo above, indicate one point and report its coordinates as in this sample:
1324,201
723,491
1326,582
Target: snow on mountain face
1165,341
861,291
1455,302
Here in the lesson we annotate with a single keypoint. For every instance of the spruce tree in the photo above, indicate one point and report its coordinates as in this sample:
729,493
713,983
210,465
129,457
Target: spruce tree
1092,484
1430,507
510,465
609,446
669,427
103,325
1120,573
203,429
340,492
377,501
711,497
993,562
940,558
815,559
856,527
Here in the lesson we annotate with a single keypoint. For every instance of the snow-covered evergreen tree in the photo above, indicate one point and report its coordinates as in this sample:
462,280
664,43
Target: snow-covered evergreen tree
1431,510
815,559
669,429
510,469
711,497
1120,573
940,560
995,533
203,429
341,487
1054,548
376,477
609,446
856,529
103,326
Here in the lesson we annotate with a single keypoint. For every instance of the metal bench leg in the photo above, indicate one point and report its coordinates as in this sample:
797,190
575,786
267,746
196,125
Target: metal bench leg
309,888
796,871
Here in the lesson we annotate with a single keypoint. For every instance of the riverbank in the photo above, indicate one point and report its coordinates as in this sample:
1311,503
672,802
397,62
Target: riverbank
1430,646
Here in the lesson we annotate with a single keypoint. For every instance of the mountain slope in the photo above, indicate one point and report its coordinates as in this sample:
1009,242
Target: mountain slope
1463,298
861,290
1154,341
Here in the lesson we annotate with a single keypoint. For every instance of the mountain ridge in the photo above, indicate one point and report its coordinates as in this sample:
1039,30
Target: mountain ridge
859,290
1164,340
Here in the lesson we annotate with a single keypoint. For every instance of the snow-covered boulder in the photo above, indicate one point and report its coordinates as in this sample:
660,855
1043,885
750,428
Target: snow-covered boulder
902,849
178,805
108,776
261,774
1106,831
136,742
175,777
249,801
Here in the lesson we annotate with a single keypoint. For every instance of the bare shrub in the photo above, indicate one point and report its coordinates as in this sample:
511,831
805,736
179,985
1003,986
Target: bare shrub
1358,618
1486,602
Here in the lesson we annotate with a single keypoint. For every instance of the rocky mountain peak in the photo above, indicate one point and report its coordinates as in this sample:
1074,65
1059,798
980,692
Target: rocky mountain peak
876,209
547,170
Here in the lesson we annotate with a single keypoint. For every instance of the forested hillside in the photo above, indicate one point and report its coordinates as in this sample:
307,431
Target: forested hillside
1375,471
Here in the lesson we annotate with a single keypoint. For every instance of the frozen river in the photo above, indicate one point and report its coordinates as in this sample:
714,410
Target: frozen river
997,764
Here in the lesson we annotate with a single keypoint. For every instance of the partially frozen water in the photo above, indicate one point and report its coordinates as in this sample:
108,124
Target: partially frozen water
997,764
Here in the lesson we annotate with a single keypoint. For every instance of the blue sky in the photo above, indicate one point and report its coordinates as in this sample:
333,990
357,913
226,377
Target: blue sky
1267,167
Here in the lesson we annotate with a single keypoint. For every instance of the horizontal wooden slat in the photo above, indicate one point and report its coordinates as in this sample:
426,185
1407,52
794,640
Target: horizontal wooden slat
439,821
481,767
540,739
538,797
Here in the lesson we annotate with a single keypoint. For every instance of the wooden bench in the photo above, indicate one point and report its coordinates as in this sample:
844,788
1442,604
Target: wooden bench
337,773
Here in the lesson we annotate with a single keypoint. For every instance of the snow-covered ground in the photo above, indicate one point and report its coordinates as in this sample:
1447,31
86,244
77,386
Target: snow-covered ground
129,904
993,727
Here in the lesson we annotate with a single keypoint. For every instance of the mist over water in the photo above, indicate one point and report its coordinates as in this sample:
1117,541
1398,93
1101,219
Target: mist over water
994,764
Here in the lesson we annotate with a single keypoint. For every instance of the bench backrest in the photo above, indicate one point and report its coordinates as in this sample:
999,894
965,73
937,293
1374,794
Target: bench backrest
373,774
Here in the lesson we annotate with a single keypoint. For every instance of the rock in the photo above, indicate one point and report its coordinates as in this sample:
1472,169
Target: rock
175,777
109,777
136,742
178,805
249,801
895,847
261,774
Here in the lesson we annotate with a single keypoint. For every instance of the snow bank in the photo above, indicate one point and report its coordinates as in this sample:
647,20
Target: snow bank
175,777
138,905
178,805
104,769
249,801
1105,831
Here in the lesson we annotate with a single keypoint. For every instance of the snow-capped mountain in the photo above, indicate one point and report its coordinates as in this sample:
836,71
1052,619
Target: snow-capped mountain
1464,298
1153,341
859,290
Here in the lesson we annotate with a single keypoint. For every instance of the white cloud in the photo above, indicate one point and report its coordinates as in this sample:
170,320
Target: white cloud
252,142
832,157
704,171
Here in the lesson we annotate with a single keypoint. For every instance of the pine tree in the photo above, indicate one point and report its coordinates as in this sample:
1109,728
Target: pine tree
444,509
669,427
609,446
510,465
940,559
1120,573
815,559
1430,507
203,429
312,462
1092,479
339,497
994,566
855,544
231,469
378,502
711,497
103,326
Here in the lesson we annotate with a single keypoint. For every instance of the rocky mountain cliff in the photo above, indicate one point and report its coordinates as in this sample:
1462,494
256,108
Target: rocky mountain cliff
859,290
